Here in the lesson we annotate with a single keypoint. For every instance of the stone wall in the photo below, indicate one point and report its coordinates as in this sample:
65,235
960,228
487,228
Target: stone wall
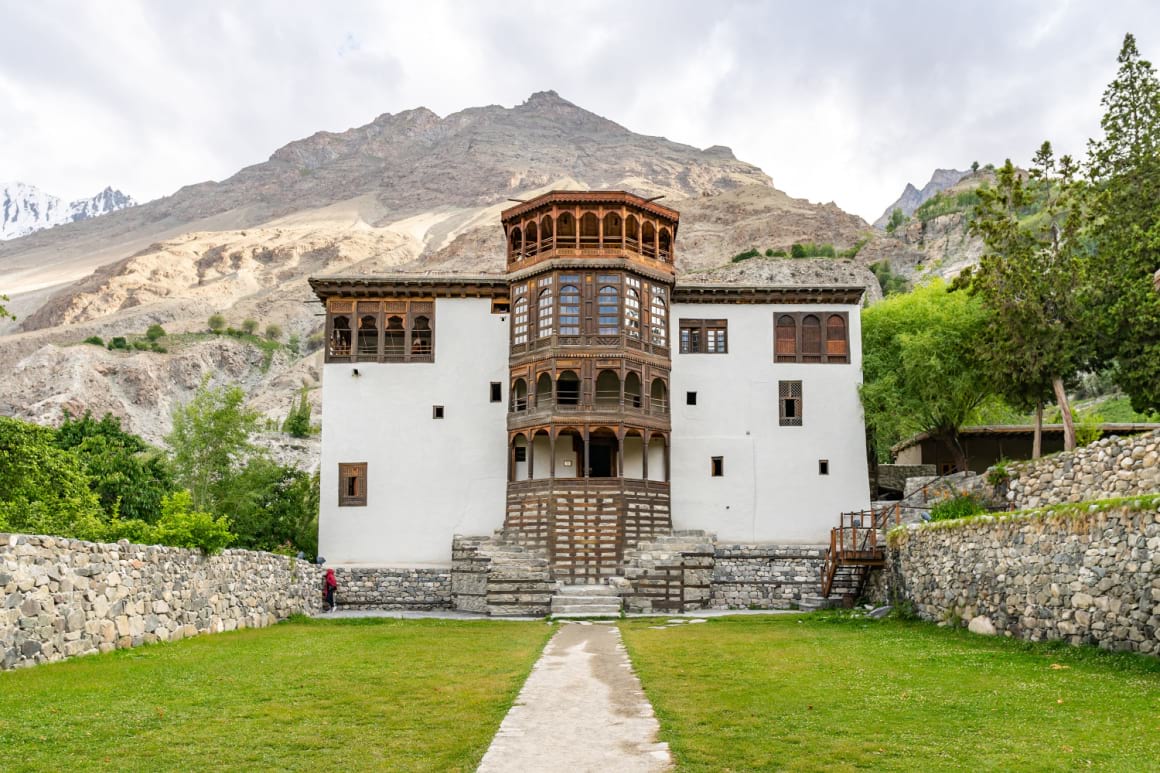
496,576
670,573
1112,467
766,576
61,597
1082,574
392,588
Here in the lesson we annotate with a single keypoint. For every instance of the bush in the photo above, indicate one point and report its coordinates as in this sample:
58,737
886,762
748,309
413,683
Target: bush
811,250
778,254
142,346
294,344
890,282
118,342
896,219
156,347
297,423
249,325
749,253
273,332
182,526
95,341
314,342
154,332
960,506
233,331
1088,427
216,323
998,474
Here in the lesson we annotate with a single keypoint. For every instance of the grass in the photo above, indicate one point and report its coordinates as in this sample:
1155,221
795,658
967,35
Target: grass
375,694
826,692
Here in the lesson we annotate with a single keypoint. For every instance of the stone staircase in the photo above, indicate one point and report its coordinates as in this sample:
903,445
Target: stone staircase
572,601
495,576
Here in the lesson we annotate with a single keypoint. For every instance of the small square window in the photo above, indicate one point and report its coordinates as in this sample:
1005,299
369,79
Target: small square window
823,467
496,392
789,403
352,484
500,305
521,453
690,398
718,466
436,411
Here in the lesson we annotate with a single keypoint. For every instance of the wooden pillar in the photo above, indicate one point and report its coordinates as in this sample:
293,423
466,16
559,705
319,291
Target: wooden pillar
552,454
587,437
576,221
532,457
668,460
600,227
646,438
620,452
623,230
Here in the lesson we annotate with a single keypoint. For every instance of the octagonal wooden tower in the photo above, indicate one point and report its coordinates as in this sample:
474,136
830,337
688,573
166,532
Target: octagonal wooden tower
591,276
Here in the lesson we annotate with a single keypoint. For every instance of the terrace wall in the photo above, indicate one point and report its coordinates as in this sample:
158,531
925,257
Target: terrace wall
64,597
1083,574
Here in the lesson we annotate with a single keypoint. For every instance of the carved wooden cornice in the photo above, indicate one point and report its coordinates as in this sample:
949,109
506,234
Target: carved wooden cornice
411,285
705,293
615,198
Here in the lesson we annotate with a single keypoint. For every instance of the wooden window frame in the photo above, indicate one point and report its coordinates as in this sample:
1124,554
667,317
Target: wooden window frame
785,395
697,340
345,470
823,355
823,467
354,309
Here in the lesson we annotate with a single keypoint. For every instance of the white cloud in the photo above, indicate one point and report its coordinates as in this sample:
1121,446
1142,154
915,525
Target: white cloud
843,101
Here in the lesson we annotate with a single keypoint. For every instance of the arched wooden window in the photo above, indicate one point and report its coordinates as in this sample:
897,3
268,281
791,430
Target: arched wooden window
520,321
589,230
421,336
517,243
544,391
648,239
568,389
546,232
520,395
545,313
368,336
531,238
569,310
666,244
836,342
612,227
608,311
811,338
632,232
340,337
632,310
786,339
632,390
658,318
659,397
566,228
394,340
607,389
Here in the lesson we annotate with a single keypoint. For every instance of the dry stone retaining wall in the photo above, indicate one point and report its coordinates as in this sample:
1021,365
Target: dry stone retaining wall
766,576
1111,467
392,588
63,597
1087,577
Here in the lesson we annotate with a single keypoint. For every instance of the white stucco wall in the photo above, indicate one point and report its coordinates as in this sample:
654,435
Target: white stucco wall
771,490
428,479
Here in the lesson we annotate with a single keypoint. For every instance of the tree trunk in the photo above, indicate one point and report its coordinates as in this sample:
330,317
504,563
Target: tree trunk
950,439
1037,442
1065,411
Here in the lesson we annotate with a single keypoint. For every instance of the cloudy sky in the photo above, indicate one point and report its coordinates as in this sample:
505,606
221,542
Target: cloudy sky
837,101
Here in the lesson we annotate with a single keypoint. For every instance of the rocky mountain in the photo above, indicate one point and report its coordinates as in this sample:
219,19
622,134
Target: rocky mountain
407,192
912,198
25,208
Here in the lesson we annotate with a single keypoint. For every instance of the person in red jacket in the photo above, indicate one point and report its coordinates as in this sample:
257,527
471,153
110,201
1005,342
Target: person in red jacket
328,590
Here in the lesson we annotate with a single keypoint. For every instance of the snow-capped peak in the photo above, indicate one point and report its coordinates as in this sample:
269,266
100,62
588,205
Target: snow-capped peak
25,208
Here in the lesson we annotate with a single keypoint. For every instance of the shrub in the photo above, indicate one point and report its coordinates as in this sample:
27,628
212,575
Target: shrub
769,252
999,474
294,344
95,341
811,250
297,423
184,527
273,332
216,323
777,254
896,219
749,253
118,342
249,325
1088,427
233,331
314,342
142,346
890,282
154,332
959,506
158,348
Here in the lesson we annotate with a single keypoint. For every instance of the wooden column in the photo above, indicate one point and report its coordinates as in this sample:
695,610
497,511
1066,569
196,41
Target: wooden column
552,455
645,439
587,436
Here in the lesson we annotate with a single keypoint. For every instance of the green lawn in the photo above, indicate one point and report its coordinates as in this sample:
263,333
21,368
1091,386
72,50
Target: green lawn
820,692
374,694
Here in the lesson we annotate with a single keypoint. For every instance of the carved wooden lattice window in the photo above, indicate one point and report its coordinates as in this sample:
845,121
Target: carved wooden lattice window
789,403
520,322
704,336
545,311
798,337
569,307
352,484
632,307
380,331
658,316
608,310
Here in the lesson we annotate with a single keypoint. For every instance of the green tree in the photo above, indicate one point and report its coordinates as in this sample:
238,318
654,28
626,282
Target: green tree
1034,335
4,313
297,423
184,526
211,442
896,219
129,477
974,166
1124,171
43,488
273,507
154,332
249,325
921,372
216,323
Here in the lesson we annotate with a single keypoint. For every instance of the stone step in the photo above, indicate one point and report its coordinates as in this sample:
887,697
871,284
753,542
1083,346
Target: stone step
607,610
585,601
587,590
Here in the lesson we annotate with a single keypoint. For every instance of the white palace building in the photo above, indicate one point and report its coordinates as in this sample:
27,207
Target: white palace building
584,401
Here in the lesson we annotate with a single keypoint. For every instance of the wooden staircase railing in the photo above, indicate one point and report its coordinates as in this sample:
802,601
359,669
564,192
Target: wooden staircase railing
857,545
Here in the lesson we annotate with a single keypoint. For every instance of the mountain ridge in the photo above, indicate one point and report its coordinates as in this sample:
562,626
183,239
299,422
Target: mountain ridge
26,209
